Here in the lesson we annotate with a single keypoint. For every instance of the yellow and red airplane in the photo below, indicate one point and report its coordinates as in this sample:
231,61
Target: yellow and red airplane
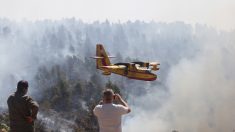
133,70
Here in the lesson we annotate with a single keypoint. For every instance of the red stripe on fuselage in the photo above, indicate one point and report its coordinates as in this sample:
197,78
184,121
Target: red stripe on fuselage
145,79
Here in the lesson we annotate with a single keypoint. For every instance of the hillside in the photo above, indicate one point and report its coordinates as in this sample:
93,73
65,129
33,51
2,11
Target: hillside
196,67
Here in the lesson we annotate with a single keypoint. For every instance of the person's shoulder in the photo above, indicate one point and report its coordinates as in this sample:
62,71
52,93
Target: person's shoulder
98,106
122,109
29,99
11,96
117,105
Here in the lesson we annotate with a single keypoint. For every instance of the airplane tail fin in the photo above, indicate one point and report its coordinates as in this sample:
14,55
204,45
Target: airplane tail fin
102,59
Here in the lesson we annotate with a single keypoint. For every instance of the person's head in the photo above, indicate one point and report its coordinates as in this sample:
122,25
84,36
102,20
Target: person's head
108,96
22,87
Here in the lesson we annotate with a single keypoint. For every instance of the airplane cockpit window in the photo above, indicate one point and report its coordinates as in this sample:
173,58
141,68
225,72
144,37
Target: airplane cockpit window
148,71
133,67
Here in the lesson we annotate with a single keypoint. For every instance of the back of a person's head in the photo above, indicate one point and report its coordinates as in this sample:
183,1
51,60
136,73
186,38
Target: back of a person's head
108,94
22,85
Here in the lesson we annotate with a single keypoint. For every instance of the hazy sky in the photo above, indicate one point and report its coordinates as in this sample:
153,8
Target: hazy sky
216,13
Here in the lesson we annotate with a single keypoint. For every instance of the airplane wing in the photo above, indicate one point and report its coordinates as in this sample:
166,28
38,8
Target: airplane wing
99,57
114,67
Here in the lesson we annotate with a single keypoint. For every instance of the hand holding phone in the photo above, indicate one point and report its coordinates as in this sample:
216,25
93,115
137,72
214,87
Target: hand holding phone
116,97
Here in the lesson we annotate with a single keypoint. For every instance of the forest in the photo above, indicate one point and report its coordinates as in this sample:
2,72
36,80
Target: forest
54,56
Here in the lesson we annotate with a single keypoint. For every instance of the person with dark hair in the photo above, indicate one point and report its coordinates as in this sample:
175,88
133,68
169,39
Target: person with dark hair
22,109
109,114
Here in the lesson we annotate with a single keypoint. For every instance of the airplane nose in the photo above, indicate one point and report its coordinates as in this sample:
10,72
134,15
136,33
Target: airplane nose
154,77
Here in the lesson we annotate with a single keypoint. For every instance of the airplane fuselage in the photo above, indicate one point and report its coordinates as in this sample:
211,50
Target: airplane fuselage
132,74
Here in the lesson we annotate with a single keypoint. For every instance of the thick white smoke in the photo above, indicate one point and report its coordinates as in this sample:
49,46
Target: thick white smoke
26,46
15,54
195,91
201,93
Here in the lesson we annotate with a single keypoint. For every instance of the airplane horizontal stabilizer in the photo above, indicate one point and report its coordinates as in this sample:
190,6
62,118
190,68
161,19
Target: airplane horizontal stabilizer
97,57
111,56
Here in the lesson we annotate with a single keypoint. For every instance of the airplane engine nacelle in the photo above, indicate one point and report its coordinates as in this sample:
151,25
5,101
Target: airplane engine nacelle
154,66
106,73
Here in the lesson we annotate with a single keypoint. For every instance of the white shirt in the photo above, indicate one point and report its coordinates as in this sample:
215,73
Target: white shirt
110,116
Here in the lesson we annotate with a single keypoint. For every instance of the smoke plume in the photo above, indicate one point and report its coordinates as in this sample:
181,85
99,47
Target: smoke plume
201,92
195,87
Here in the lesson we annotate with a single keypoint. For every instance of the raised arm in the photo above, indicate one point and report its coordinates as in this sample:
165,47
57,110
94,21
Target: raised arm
122,102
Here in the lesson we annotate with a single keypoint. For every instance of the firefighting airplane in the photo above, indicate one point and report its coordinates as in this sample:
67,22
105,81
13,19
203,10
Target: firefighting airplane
133,70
